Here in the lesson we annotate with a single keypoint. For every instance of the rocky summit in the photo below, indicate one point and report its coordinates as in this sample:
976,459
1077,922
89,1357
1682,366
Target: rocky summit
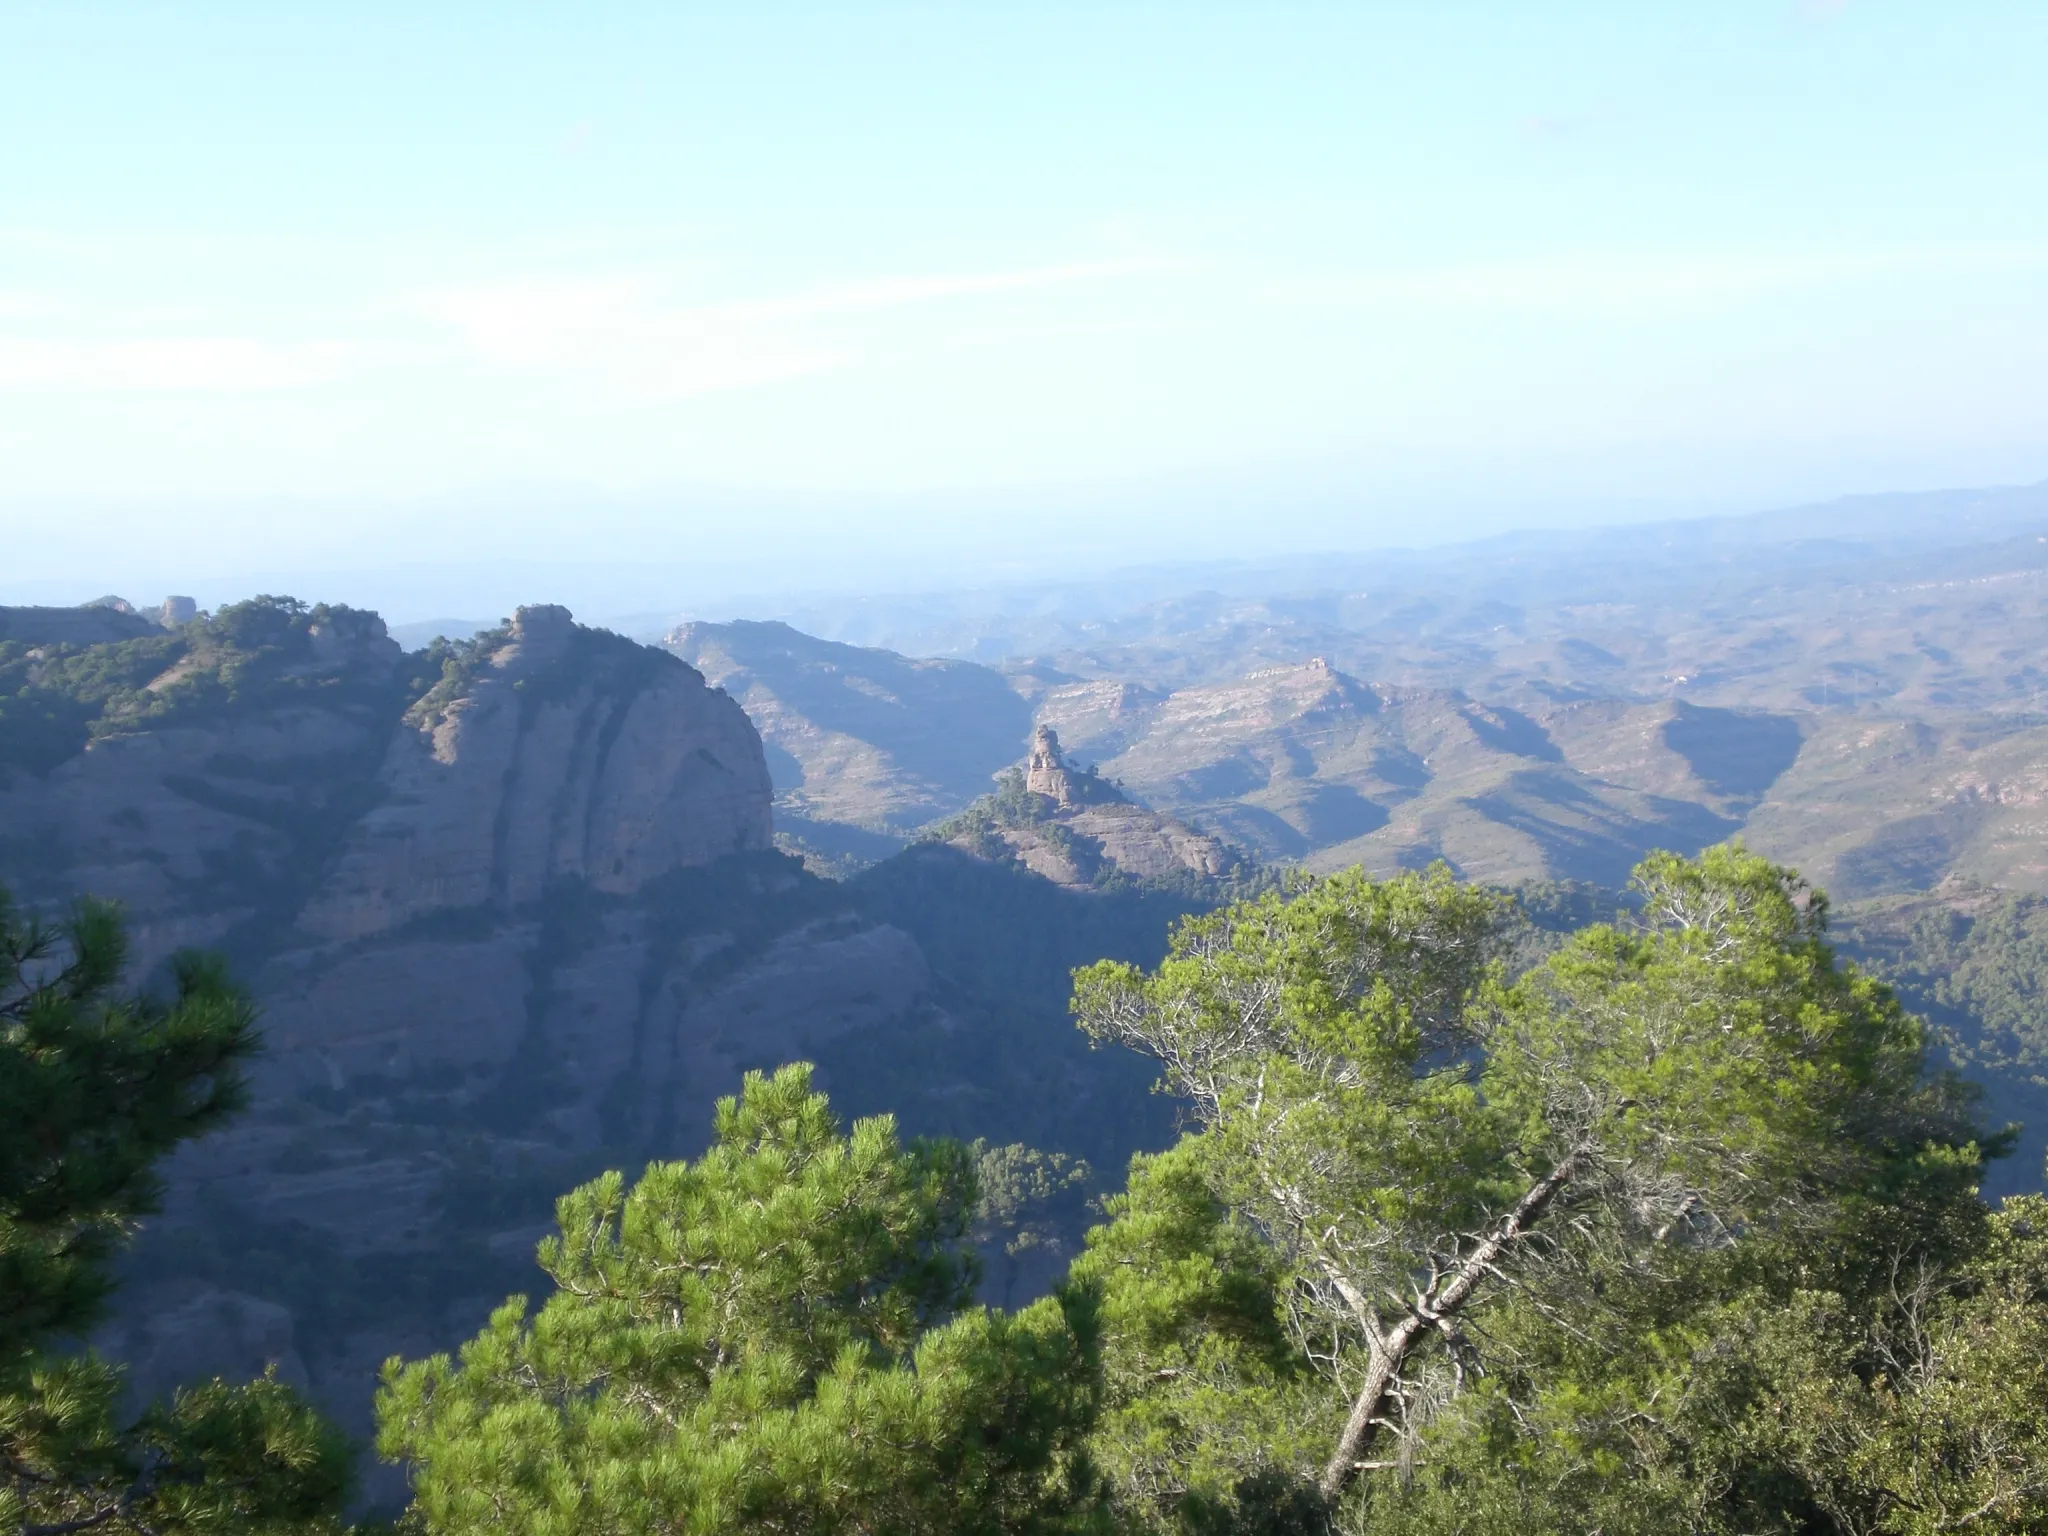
304,786
431,868
511,913
1079,830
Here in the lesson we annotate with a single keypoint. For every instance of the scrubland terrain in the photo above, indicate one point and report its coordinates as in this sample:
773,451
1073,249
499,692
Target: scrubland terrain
1856,690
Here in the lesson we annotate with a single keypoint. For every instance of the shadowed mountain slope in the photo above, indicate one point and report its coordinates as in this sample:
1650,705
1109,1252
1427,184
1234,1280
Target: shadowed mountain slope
857,736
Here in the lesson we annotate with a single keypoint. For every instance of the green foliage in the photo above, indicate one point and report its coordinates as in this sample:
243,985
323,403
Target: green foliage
588,657
453,665
1941,1421
1701,1098
95,1089
770,1338
1975,962
1031,1205
1211,1411
1716,1045
1001,1060
267,651
52,696
1919,1407
1986,969
1010,804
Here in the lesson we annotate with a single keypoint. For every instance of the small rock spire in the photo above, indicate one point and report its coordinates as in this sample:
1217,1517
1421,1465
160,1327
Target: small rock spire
1046,773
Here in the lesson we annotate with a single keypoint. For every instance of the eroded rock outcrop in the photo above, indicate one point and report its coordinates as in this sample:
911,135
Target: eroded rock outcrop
452,879
1080,830
566,753
210,792
1047,773
511,914
293,776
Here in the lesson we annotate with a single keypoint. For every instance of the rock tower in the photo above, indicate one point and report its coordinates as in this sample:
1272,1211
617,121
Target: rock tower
1047,773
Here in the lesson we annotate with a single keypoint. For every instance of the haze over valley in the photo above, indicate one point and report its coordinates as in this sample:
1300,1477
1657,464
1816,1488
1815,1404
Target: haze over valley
1024,771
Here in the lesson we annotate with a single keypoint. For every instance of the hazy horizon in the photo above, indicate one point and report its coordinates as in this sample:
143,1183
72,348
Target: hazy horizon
795,296
744,578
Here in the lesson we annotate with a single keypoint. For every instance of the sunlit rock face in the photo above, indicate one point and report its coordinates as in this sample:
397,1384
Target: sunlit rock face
460,889
560,758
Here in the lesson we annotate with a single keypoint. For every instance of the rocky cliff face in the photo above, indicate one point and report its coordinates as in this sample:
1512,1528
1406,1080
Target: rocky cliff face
566,755
462,885
208,793
512,916
331,790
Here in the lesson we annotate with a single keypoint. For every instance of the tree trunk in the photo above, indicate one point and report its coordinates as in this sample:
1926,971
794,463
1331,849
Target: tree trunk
1450,1294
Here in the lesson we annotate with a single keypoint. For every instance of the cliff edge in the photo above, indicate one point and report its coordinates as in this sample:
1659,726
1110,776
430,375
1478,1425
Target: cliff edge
550,752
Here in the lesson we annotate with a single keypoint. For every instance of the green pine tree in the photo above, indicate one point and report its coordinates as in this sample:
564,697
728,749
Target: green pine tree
1212,1411
1475,1192
775,1337
95,1089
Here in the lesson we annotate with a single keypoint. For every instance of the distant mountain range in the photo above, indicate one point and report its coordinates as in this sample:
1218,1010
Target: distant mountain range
1852,538
1882,733
520,906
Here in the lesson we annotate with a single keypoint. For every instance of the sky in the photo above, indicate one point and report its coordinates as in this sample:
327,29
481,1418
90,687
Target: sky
874,292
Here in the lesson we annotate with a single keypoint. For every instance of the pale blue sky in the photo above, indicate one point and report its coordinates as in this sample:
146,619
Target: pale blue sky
1378,272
